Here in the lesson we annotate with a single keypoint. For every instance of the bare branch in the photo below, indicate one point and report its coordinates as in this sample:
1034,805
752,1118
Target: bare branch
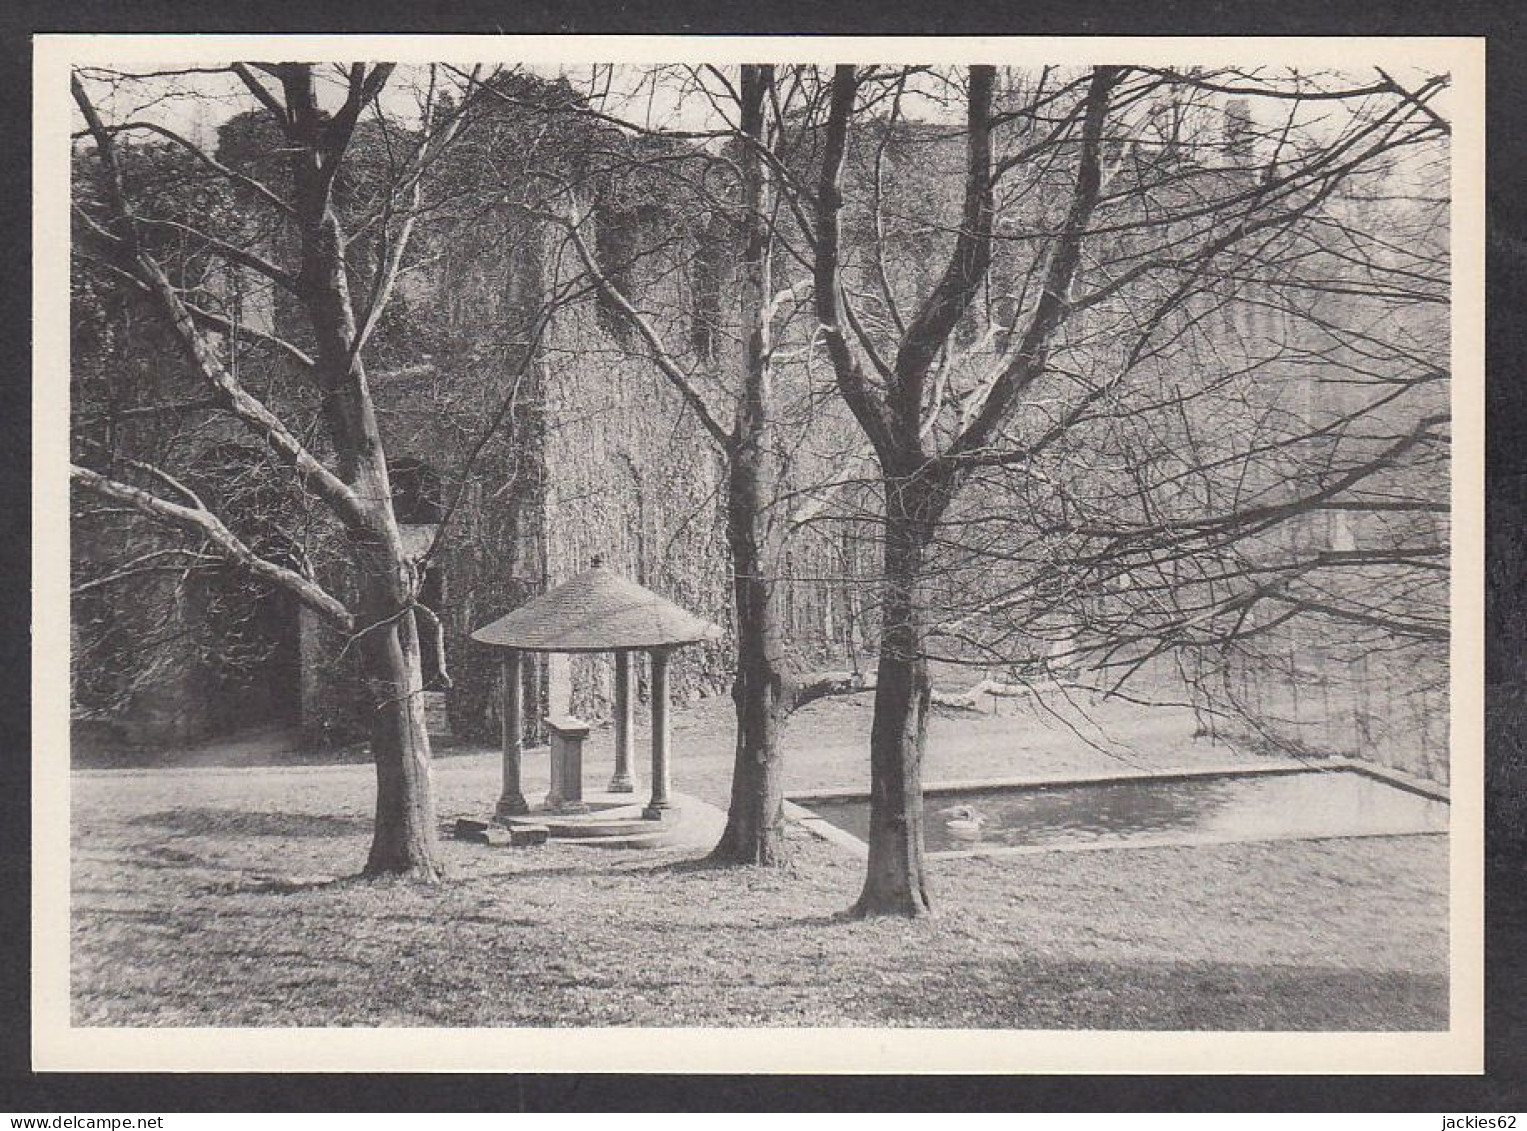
263,191
1028,360
265,98
659,353
931,325
828,291
200,352
234,254
147,564
201,521
1417,101
410,180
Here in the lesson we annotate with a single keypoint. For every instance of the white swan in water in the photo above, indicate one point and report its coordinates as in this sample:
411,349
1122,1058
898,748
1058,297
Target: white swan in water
963,822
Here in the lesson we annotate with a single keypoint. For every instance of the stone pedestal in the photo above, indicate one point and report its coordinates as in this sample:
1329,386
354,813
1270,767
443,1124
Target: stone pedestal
567,737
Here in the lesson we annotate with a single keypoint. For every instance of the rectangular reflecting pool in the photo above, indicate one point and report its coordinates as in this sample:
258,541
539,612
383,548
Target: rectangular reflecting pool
1177,810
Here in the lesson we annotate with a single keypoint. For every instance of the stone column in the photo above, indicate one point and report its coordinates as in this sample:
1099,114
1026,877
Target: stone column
624,780
659,806
511,802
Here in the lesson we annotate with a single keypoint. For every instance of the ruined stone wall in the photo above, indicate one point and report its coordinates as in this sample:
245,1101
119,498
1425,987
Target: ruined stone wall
596,453
632,476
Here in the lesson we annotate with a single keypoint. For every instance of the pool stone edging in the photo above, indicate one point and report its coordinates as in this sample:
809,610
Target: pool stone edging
826,830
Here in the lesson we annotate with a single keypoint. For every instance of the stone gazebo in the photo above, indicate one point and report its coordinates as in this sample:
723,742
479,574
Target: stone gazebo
595,611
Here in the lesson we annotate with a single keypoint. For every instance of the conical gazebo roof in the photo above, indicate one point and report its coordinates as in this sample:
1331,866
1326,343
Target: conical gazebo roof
596,611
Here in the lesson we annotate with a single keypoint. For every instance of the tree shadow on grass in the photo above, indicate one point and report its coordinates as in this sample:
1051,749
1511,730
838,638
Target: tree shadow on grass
456,920
841,918
599,863
275,885
499,878
788,866
245,822
155,857
1049,993
163,856
691,865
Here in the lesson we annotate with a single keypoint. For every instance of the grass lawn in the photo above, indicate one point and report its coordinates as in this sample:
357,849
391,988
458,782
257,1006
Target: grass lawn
208,897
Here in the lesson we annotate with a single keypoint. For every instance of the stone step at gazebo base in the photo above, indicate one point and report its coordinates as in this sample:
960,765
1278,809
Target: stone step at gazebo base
609,822
652,838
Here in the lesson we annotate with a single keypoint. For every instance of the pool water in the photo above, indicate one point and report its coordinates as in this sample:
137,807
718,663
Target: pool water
1215,808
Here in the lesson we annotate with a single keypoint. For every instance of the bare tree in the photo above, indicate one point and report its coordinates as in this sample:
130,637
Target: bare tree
314,263
1122,250
744,432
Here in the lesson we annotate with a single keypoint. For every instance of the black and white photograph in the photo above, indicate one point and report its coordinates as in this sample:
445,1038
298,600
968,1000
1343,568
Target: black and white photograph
908,556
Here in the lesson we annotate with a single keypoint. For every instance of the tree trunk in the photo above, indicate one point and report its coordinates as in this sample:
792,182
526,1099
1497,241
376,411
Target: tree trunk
754,824
755,819
895,882
404,841
404,837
